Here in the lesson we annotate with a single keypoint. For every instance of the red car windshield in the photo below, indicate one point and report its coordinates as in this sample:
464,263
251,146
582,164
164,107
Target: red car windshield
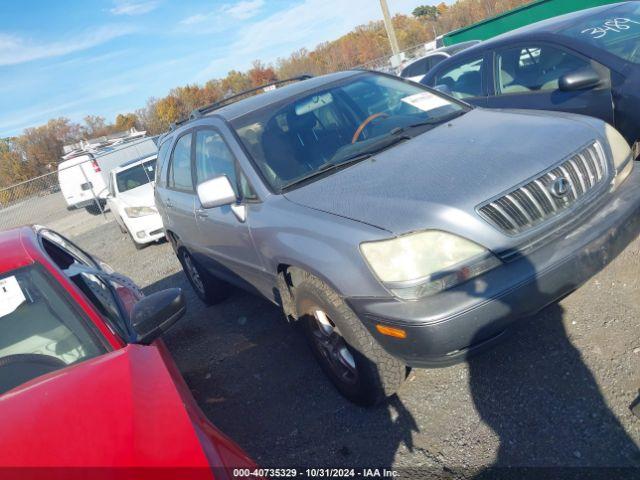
40,330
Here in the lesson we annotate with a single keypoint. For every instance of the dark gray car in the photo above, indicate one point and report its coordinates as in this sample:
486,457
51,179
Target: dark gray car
400,226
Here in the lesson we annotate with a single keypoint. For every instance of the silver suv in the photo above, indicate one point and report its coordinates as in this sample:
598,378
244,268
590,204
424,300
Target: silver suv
401,227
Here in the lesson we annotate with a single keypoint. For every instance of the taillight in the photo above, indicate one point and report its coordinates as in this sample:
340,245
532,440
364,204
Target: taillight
96,167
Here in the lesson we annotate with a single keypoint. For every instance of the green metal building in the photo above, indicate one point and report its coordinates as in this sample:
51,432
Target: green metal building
519,17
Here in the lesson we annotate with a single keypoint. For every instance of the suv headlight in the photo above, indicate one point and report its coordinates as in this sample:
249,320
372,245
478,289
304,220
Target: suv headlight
424,263
622,157
135,212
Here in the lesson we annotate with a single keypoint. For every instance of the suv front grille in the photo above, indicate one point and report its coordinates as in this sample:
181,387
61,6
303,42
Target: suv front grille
535,202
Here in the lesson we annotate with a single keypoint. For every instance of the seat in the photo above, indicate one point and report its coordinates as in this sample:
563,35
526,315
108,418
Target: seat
280,153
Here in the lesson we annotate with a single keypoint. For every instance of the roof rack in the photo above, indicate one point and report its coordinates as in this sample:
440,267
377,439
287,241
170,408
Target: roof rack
198,112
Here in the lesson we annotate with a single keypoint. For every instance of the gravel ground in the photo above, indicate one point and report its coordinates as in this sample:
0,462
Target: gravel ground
556,393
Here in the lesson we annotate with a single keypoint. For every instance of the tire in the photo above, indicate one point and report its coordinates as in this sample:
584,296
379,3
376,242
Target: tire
93,209
208,288
373,375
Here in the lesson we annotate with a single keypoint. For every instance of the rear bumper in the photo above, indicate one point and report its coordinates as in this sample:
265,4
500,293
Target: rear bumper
448,327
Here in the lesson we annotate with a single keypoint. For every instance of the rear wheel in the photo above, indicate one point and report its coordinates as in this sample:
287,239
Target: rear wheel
93,209
208,288
353,360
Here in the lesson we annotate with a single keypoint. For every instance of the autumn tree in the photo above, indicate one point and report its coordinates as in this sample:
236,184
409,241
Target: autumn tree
261,74
126,121
42,146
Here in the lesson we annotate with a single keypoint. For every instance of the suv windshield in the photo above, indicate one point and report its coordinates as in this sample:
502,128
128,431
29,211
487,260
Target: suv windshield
39,329
337,125
616,30
136,176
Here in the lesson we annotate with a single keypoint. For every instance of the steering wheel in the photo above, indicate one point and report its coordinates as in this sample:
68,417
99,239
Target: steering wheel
366,122
20,368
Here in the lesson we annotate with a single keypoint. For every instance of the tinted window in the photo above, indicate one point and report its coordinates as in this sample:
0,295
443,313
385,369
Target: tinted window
40,332
616,30
464,81
136,176
63,252
300,138
419,67
534,68
163,163
180,168
213,157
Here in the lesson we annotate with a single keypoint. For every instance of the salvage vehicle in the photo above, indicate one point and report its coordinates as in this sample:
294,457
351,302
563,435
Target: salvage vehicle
400,226
418,68
85,381
131,201
587,62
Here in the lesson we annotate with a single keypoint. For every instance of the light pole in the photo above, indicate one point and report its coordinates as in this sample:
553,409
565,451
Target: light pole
391,34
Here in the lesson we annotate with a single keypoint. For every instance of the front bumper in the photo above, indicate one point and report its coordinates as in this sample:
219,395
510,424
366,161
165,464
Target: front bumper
446,328
145,229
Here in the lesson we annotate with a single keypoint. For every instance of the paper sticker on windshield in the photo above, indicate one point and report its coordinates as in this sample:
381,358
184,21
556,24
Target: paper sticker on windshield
426,101
11,296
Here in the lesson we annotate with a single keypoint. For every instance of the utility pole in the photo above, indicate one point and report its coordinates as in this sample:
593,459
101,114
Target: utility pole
391,33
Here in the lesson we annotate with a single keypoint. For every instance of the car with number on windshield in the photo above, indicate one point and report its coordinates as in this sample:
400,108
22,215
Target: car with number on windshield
586,62
401,227
86,383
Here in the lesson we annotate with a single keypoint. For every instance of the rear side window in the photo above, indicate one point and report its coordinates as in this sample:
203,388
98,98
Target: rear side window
463,80
180,167
163,163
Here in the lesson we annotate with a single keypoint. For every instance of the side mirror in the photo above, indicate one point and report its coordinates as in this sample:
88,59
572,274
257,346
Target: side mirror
444,89
216,192
155,314
583,79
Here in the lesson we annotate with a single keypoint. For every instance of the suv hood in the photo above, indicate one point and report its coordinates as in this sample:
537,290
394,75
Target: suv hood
437,179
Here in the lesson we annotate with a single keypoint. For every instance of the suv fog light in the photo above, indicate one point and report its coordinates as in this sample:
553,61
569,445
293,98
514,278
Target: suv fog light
140,234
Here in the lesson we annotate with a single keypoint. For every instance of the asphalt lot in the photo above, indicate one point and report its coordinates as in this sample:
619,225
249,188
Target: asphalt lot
556,393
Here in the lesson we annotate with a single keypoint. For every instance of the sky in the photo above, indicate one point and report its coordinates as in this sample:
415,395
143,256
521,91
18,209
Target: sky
104,57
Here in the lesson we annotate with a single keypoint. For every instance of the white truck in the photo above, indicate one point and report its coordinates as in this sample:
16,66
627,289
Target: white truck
84,175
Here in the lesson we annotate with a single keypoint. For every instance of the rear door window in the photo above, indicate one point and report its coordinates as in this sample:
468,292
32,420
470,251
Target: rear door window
180,168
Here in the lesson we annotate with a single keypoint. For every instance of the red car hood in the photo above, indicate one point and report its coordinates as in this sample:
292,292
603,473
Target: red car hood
121,409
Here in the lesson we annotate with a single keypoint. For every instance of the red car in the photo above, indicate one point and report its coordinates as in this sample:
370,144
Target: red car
85,380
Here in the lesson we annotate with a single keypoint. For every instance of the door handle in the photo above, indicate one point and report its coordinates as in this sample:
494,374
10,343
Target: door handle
168,203
202,213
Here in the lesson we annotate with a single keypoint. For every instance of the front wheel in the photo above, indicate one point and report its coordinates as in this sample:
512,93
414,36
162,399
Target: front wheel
353,360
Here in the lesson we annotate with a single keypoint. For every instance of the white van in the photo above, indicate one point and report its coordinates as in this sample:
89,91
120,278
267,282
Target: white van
81,183
84,174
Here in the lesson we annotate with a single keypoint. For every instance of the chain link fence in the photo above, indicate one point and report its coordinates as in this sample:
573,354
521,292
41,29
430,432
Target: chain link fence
41,201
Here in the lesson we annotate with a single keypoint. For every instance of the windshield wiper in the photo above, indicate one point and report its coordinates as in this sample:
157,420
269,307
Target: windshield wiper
430,121
349,160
